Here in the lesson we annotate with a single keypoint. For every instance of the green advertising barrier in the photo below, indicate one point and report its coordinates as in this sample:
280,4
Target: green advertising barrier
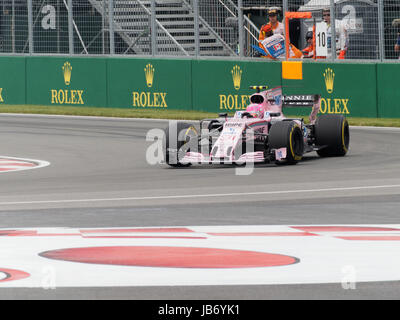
388,90
66,81
223,85
12,80
345,88
149,83
358,90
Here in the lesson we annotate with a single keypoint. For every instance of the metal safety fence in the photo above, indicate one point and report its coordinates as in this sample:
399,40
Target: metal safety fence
364,29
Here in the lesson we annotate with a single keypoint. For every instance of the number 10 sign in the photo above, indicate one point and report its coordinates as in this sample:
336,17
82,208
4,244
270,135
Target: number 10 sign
321,39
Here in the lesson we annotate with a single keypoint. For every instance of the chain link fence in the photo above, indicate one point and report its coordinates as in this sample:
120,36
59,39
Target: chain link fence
364,29
391,29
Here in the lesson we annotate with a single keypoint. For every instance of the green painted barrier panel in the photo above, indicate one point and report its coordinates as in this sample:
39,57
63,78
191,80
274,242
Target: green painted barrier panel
66,81
357,90
346,88
149,83
12,80
388,90
223,86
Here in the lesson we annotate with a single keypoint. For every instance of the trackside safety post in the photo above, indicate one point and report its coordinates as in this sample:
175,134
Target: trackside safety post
295,15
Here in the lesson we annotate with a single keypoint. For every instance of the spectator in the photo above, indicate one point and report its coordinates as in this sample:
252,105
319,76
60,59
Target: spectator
308,52
341,35
396,25
274,24
277,27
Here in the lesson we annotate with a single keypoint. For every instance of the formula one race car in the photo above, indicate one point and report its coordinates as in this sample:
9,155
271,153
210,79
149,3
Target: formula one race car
261,134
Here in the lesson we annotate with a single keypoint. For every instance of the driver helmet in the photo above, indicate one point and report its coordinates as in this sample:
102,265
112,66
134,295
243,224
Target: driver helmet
254,111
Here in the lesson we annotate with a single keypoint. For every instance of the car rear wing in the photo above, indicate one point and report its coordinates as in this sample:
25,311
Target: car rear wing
313,101
300,100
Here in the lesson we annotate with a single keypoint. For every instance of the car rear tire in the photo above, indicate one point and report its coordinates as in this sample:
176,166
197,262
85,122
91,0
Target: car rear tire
180,137
287,134
332,135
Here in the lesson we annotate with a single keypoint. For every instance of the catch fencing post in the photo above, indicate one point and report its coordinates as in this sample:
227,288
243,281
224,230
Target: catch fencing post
13,26
30,26
111,25
103,26
285,9
153,28
70,28
196,27
240,29
381,30
333,30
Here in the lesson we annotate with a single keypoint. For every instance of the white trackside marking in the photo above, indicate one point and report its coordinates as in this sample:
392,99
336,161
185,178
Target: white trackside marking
194,196
59,257
12,164
3,275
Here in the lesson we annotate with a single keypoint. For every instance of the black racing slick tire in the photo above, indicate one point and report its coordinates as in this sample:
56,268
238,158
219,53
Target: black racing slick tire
180,137
287,134
332,135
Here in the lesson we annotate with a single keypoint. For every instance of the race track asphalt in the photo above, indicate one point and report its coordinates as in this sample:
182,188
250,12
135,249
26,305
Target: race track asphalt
99,177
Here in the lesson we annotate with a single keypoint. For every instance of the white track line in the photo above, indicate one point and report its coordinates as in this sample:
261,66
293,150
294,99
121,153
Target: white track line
193,196
143,119
39,163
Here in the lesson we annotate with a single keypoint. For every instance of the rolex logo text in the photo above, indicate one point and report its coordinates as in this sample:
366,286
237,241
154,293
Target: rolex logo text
67,96
333,105
234,101
149,99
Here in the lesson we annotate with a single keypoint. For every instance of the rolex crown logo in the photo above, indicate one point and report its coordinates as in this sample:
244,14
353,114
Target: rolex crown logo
329,76
237,77
67,71
149,73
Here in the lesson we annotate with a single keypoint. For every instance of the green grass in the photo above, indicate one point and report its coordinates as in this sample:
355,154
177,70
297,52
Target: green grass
158,114
107,112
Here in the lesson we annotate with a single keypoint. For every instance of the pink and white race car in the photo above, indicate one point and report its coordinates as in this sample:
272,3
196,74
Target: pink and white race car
261,134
